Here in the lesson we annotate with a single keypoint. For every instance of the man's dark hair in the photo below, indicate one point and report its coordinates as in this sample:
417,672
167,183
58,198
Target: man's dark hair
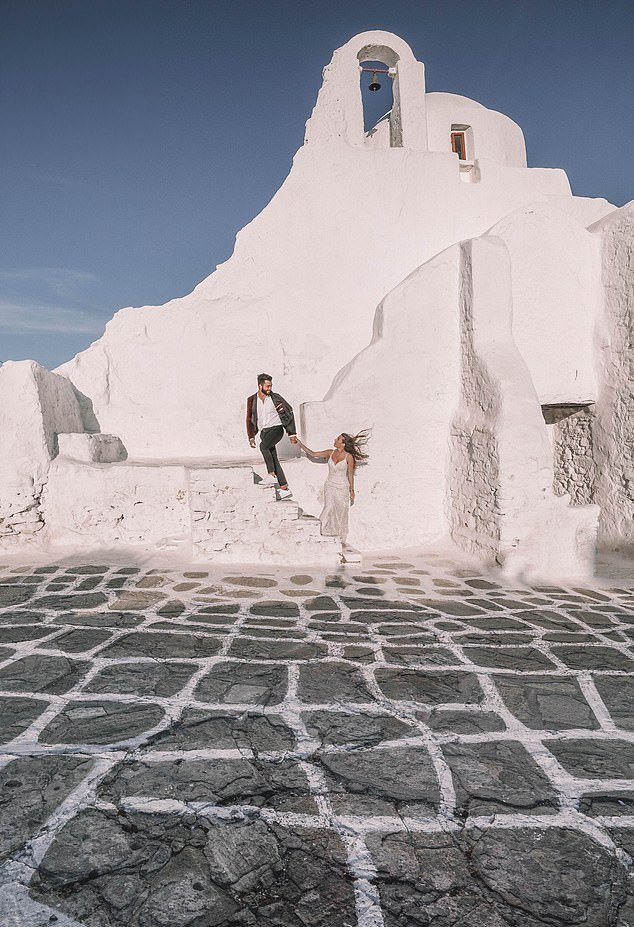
262,377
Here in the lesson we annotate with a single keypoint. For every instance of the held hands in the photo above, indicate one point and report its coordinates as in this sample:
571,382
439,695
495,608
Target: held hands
293,439
252,442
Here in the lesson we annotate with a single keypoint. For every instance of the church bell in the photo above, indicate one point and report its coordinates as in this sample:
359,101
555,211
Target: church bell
374,83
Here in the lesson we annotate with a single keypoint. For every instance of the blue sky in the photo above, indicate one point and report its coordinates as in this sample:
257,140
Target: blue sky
138,136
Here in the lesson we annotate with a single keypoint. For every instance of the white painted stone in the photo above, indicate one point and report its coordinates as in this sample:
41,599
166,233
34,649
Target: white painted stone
338,114
234,521
555,265
35,406
614,425
95,448
298,295
201,513
459,443
490,136
106,505
584,209
408,404
538,533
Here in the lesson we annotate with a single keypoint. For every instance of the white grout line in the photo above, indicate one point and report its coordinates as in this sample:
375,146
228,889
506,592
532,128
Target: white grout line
83,796
366,894
596,703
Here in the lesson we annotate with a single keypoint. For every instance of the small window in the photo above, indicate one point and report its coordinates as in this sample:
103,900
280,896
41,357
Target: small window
462,141
459,144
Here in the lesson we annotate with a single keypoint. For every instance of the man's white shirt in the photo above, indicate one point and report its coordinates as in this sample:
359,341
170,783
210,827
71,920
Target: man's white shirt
267,414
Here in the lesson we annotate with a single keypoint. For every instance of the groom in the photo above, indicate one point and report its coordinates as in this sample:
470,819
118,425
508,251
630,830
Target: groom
270,414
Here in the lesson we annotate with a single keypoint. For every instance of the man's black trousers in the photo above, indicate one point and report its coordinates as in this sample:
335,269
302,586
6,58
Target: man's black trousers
269,437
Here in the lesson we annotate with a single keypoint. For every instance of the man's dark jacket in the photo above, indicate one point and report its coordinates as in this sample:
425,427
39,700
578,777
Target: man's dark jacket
284,410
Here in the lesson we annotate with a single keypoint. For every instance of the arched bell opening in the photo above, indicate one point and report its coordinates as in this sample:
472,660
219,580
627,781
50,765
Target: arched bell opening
377,98
380,98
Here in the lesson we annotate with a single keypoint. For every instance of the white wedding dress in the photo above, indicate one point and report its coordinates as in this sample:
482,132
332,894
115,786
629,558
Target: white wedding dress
334,515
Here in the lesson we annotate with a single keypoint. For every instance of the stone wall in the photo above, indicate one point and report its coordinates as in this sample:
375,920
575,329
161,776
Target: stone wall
613,432
474,472
494,136
298,294
407,395
20,515
531,531
459,446
35,406
555,287
573,452
115,505
217,514
450,383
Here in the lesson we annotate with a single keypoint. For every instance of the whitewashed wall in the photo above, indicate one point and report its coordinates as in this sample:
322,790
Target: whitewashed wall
614,421
490,294
298,295
494,136
459,445
35,405
404,386
556,292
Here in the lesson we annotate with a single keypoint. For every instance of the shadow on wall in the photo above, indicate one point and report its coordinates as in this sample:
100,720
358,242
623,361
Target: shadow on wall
88,417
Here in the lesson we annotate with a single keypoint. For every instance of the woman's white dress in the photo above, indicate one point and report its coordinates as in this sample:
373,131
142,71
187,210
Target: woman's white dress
334,515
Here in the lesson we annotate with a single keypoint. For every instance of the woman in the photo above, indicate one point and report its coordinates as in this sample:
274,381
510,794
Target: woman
339,485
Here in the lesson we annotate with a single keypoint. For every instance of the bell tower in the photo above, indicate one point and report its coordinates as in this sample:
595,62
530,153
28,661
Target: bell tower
338,114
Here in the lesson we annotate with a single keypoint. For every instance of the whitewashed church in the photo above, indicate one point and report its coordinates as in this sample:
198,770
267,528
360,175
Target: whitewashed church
484,333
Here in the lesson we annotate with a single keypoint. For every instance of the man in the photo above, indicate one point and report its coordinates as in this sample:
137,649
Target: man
270,414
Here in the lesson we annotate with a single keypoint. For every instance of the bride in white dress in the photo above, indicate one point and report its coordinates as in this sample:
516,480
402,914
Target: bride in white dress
339,486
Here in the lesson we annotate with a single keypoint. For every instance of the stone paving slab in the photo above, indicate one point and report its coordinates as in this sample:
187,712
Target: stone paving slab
402,743
547,702
200,729
40,673
172,872
497,878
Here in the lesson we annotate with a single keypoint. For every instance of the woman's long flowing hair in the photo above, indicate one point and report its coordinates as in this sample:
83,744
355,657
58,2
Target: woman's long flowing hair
354,444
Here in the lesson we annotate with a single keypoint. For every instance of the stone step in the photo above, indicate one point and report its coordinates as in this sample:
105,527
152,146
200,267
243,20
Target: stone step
222,538
244,516
235,520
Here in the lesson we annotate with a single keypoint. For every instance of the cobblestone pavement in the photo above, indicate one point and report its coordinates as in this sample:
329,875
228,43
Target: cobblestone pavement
403,743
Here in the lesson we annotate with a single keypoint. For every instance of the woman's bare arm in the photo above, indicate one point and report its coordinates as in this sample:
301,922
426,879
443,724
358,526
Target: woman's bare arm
310,453
351,466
